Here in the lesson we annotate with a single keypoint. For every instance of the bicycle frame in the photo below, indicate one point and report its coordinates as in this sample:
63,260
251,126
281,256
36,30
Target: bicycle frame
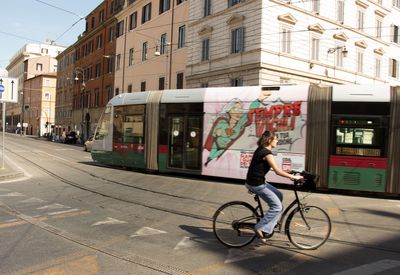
278,227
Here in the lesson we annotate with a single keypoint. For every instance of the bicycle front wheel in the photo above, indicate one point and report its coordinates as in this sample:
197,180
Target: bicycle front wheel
233,224
309,227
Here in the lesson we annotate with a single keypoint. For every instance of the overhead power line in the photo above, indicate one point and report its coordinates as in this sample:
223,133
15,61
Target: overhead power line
59,8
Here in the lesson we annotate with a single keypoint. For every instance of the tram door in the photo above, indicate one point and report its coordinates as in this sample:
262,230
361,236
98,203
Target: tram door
184,142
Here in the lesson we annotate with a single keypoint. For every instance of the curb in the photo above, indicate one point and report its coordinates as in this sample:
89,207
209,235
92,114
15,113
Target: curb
11,176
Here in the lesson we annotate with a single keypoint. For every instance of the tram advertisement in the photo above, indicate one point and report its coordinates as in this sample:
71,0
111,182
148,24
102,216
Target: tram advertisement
236,117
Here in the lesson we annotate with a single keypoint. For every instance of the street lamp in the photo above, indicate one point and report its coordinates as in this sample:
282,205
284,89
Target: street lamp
343,49
163,48
85,117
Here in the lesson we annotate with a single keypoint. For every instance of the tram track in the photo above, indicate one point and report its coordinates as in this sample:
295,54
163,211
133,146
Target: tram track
170,210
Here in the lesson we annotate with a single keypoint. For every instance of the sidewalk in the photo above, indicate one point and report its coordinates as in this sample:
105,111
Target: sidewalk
9,172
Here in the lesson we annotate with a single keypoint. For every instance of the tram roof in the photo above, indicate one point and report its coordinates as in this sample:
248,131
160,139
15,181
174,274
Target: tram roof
361,93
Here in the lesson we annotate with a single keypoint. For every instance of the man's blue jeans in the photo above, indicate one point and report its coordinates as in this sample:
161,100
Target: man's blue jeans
273,197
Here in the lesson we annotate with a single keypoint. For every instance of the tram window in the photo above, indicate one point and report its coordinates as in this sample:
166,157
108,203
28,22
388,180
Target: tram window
354,136
128,124
102,131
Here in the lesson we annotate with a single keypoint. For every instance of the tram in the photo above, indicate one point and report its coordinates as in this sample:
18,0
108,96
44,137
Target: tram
347,134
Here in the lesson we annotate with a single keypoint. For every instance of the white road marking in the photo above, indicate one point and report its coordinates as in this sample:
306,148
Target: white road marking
27,175
109,221
31,200
372,268
12,194
237,255
53,206
186,242
57,157
62,212
146,231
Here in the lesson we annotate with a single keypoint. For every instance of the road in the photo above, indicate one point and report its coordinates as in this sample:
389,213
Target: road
69,215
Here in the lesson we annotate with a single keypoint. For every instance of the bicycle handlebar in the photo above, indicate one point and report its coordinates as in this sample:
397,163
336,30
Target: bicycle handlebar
309,179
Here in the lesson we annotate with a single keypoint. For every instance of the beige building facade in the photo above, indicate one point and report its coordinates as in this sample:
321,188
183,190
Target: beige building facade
151,50
252,42
27,62
39,104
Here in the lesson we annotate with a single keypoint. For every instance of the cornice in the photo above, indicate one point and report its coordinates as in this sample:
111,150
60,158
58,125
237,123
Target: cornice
316,28
361,44
287,18
361,4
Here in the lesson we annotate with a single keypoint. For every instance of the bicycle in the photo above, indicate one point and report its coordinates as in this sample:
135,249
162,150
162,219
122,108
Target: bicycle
306,226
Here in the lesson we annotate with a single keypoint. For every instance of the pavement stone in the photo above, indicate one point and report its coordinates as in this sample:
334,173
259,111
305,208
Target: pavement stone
9,173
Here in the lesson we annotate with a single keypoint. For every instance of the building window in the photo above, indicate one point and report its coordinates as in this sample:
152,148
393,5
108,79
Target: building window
144,51
130,88
379,28
146,13
118,65
360,19
131,56
396,3
109,92
360,62
96,98
163,43
99,41
120,28
286,40
377,67
46,96
237,40
207,8
340,11
131,2
315,48
39,67
143,86
179,81
395,34
101,16
315,6
164,5
233,2
110,64
339,56
161,83
133,21
236,82
393,68
45,51
181,37
179,2
116,91
205,49
110,34
97,71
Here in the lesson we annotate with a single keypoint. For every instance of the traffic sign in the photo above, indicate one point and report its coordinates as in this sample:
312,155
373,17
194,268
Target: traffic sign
8,89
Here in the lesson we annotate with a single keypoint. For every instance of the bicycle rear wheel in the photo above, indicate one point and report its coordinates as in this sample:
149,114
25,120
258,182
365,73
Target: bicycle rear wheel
308,228
233,223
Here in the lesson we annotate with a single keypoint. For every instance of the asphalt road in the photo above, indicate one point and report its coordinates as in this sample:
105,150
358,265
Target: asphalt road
69,215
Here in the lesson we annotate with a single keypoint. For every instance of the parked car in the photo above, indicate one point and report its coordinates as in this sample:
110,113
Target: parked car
71,138
88,144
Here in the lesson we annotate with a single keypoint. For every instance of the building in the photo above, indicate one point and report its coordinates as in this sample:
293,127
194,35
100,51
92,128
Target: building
85,78
39,104
29,61
151,50
234,43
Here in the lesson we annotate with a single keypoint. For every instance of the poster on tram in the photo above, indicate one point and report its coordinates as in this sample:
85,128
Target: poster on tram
235,118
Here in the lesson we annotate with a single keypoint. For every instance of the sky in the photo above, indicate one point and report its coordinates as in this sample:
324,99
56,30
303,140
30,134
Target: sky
35,21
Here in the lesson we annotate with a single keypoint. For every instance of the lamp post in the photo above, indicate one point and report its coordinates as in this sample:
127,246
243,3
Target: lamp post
85,117
164,48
